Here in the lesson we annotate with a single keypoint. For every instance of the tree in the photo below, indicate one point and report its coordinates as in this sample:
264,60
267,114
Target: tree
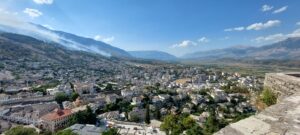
46,132
188,122
66,132
86,117
111,131
123,105
134,118
195,130
126,115
74,96
176,124
211,124
109,87
72,121
91,116
147,115
268,97
61,97
170,125
20,130
157,113
157,85
72,86
110,107
44,87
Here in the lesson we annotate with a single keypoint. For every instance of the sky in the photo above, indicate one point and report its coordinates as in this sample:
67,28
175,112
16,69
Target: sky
174,26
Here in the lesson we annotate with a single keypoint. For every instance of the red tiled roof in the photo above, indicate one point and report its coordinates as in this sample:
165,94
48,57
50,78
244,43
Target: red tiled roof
56,114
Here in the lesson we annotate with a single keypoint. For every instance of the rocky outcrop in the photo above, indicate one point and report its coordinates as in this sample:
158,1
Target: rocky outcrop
282,118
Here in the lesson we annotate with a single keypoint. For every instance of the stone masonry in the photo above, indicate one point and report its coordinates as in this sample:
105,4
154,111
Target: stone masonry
282,118
284,84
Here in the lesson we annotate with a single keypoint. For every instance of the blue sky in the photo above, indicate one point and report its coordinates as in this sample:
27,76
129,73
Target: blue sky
174,26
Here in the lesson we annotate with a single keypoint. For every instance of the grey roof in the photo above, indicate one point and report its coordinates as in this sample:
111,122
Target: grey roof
87,129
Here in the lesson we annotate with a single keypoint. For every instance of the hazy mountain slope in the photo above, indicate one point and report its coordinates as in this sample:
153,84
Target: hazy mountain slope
68,40
91,44
233,52
15,47
287,49
154,55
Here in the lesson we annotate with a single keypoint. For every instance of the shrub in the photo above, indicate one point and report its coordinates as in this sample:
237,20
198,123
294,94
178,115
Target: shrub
66,132
111,131
269,97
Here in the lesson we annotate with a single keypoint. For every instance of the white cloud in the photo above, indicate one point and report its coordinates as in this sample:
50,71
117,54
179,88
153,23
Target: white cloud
104,39
184,44
272,38
203,40
298,23
4,11
256,26
43,1
265,8
295,33
260,26
32,12
235,29
280,10
277,37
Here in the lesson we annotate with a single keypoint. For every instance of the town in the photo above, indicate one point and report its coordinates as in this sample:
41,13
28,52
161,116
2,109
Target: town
149,67
136,99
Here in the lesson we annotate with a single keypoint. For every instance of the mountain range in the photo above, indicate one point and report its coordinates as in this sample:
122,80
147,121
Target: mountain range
286,49
68,40
153,55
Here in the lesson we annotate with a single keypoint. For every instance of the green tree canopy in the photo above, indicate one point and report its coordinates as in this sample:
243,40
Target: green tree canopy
195,130
61,97
111,131
66,132
176,124
86,117
74,96
109,87
20,130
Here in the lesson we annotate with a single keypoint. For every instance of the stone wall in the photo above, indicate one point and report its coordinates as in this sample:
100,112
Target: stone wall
284,84
282,118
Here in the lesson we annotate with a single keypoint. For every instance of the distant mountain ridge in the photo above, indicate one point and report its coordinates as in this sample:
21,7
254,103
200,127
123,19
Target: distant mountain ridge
91,44
286,49
153,55
15,47
68,40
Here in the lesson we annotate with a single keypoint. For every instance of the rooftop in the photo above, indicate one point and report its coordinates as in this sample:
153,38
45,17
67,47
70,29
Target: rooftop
56,114
87,129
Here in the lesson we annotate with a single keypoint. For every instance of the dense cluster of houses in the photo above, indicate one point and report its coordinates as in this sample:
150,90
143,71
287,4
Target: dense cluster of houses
166,90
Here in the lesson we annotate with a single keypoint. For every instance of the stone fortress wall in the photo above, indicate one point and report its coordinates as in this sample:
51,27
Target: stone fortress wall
284,84
282,118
